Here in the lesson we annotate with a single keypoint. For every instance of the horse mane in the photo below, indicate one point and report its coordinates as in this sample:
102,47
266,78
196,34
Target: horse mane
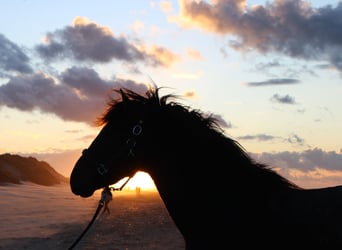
153,99
208,126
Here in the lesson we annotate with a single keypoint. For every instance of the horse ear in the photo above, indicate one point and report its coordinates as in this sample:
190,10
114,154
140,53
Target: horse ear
123,96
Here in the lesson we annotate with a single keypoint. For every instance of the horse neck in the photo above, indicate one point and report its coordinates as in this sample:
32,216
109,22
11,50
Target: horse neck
198,174
212,162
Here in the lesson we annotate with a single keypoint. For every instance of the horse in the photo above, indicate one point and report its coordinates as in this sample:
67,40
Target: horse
216,194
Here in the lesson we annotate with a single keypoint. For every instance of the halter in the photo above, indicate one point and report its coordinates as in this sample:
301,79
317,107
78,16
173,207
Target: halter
130,144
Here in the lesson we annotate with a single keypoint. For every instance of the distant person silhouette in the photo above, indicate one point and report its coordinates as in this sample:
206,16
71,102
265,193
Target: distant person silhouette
106,197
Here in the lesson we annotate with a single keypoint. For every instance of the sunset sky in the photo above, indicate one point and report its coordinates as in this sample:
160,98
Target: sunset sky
270,71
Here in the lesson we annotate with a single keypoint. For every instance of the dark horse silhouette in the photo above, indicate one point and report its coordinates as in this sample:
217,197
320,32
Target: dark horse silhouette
217,195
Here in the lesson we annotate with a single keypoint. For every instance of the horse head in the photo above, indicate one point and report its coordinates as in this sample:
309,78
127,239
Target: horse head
121,147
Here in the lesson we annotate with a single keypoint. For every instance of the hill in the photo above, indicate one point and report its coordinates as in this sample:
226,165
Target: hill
17,169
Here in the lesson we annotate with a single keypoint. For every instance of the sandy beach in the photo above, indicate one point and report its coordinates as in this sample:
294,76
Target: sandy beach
39,217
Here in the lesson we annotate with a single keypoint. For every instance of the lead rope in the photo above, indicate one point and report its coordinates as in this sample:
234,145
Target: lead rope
106,196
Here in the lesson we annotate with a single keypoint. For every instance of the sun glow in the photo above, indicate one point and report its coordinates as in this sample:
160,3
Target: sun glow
140,180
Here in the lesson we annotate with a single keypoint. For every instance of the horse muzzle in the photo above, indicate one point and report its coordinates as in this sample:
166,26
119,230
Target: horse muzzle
83,192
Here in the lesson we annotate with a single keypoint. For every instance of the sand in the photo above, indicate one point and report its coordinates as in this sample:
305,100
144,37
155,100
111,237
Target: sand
38,217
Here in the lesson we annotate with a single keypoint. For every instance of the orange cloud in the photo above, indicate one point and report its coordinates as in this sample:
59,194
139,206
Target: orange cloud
190,94
194,54
138,26
166,6
162,55
83,21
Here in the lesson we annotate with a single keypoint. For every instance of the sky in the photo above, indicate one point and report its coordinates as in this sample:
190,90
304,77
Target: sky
269,71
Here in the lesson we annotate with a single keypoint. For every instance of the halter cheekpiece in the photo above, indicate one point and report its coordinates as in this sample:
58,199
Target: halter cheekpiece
130,143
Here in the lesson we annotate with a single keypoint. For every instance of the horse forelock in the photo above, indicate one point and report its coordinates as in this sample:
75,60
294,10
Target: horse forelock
123,98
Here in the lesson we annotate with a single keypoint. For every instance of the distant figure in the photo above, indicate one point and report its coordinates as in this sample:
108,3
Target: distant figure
106,197
137,190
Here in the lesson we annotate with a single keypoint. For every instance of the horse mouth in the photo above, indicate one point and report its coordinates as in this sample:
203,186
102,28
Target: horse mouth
86,195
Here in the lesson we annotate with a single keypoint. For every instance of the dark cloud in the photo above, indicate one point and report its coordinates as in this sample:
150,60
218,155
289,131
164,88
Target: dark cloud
312,168
286,99
12,57
258,137
292,139
43,93
86,81
295,139
80,95
304,161
278,81
88,41
51,49
275,66
290,27
268,65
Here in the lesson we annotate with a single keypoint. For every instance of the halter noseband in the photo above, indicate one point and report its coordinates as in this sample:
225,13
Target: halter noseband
130,143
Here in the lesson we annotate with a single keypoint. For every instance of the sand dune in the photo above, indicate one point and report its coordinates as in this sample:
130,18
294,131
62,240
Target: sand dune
38,217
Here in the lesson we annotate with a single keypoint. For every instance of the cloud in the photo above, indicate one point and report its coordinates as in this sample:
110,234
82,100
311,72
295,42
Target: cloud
292,139
88,41
166,6
86,81
41,92
290,27
159,56
295,139
286,99
79,94
272,64
313,167
306,160
276,81
258,137
138,26
12,57
191,94
194,54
